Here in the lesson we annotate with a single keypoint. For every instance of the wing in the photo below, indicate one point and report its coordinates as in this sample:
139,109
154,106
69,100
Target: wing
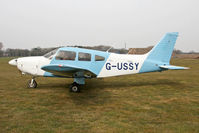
67,70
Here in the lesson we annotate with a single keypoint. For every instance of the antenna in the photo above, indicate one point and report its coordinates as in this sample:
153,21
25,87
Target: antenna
109,49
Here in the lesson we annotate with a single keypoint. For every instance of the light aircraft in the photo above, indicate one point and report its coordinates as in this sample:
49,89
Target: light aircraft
81,64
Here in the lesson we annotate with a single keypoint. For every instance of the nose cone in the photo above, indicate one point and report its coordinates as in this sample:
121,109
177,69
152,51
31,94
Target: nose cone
13,62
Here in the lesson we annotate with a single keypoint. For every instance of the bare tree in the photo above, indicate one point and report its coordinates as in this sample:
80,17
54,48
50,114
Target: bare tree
1,45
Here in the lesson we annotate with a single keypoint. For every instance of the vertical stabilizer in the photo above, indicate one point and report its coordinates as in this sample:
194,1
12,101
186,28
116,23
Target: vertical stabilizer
162,52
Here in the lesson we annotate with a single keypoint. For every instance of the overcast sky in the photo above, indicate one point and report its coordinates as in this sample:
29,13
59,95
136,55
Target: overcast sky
139,23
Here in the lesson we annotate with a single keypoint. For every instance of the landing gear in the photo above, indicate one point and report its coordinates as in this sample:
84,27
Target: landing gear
32,83
75,87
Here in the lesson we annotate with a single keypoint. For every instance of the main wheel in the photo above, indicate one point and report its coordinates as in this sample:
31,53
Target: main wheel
74,88
32,83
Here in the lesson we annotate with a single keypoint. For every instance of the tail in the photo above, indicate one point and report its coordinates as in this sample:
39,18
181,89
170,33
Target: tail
162,52
158,58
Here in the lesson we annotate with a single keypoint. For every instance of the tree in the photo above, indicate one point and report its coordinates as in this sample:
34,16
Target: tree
1,53
1,45
177,51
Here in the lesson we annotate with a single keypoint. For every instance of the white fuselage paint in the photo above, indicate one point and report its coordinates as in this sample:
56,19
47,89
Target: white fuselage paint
32,65
122,64
116,64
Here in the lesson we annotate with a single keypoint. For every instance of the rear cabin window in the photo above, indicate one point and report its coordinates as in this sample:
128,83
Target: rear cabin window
66,55
84,56
99,58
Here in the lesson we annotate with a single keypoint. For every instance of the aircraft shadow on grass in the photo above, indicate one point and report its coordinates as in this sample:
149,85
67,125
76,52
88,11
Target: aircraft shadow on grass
95,85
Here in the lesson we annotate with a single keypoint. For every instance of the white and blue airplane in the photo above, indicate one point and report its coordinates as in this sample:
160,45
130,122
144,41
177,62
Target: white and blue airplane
80,64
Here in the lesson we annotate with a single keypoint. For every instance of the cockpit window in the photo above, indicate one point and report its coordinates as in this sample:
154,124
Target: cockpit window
65,55
99,58
84,56
50,54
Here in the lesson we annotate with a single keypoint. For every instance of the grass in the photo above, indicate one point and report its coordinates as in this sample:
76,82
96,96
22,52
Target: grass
152,102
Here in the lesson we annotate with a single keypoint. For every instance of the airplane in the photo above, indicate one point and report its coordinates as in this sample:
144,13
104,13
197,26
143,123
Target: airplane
81,64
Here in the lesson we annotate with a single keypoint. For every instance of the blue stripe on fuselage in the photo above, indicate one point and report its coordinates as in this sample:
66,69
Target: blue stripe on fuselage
150,66
93,66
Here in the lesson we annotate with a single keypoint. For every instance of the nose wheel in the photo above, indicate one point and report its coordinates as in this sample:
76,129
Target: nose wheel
32,83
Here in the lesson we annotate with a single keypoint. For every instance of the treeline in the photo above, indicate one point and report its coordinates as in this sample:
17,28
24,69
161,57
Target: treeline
41,51
25,52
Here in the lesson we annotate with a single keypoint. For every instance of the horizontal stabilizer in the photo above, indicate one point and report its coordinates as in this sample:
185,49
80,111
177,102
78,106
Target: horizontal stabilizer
170,67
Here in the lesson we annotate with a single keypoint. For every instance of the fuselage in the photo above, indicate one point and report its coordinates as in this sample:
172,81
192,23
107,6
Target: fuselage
99,63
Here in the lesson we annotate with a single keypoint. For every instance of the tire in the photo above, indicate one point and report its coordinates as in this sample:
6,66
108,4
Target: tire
33,85
74,88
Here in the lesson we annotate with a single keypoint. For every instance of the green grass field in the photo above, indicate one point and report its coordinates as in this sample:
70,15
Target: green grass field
153,102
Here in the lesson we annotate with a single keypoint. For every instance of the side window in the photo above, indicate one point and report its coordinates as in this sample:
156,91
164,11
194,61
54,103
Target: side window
84,56
65,55
99,58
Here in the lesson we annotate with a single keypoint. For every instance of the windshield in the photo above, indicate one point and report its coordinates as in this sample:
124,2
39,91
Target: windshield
50,54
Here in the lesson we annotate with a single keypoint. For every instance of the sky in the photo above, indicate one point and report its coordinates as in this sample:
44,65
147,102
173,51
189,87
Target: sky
138,23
